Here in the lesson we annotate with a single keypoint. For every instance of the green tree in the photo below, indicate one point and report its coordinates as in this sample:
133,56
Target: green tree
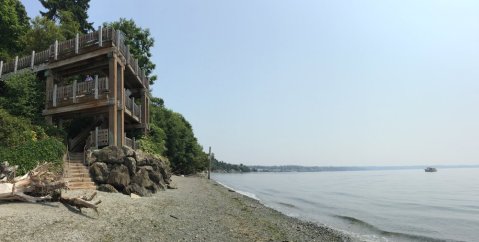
14,23
78,9
22,95
43,33
140,42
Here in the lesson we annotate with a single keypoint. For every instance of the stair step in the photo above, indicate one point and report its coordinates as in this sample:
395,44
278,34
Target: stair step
80,184
77,175
83,188
77,179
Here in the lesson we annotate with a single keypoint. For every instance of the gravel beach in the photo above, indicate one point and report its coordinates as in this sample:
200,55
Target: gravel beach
199,210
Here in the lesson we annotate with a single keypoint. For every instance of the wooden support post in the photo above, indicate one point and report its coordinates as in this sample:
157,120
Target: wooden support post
74,93
49,87
136,67
106,84
16,64
96,137
33,60
54,98
127,54
112,109
121,108
118,39
77,43
133,106
96,86
55,49
100,36
210,156
1,68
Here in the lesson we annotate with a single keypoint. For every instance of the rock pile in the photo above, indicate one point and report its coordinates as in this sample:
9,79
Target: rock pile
128,171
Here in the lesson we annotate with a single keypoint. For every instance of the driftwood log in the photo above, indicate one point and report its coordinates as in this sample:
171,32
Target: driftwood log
39,185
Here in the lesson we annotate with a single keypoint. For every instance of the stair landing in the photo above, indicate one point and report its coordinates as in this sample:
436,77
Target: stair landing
77,174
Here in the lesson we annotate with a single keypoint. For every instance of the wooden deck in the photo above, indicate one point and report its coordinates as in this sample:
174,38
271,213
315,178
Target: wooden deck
52,57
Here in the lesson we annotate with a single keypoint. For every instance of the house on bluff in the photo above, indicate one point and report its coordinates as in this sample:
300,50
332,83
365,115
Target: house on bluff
95,81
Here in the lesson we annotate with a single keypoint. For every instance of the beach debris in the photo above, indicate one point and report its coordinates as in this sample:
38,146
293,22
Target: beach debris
39,184
134,196
81,202
173,216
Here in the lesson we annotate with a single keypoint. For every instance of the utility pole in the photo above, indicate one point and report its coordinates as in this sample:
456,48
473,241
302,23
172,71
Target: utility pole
210,156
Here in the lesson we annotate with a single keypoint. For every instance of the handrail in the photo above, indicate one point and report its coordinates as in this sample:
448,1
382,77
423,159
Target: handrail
68,159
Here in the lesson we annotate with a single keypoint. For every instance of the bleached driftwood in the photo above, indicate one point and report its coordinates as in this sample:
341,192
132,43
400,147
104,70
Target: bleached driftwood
38,185
81,202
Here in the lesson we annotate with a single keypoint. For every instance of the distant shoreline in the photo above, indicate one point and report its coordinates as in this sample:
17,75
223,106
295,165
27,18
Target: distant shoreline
294,168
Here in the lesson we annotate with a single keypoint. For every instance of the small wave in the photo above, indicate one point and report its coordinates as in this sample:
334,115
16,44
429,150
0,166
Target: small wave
248,194
389,234
287,204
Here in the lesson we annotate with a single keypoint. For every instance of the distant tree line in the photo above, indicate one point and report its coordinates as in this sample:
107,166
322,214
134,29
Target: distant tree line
221,166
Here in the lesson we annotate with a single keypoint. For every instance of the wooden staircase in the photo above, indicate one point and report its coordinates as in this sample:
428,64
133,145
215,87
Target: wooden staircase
76,173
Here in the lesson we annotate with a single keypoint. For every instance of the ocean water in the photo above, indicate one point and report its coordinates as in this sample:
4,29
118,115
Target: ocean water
395,205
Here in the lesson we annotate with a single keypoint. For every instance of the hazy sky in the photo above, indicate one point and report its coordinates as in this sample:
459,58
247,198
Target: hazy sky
317,82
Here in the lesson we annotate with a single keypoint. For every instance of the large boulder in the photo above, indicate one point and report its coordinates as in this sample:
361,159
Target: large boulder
107,188
119,177
129,152
129,171
136,189
130,162
99,172
110,155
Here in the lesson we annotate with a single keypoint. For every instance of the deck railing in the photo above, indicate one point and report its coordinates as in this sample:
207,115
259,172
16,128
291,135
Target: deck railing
74,92
74,46
130,104
132,143
98,137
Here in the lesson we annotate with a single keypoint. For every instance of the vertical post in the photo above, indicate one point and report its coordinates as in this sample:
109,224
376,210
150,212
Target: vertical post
127,54
100,36
96,86
74,91
33,60
16,64
54,95
1,68
133,106
106,84
209,163
112,108
77,44
55,50
96,137
134,143
136,67
118,38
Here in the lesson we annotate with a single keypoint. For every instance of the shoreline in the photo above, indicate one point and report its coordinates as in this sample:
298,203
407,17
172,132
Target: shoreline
199,210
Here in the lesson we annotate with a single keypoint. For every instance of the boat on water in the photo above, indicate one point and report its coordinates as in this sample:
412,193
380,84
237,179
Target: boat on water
430,169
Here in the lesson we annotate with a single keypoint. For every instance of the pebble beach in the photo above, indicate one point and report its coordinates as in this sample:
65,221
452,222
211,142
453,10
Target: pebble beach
198,210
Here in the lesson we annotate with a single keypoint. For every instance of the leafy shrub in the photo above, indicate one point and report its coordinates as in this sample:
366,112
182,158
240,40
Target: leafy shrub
14,131
31,153
23,95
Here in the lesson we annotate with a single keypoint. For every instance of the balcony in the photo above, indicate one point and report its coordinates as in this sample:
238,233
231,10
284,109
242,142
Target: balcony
77,92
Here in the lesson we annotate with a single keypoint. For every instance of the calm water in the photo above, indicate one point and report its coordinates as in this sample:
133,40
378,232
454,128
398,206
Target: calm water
400,205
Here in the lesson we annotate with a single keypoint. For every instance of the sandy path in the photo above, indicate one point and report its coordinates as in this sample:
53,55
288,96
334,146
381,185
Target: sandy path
199,210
